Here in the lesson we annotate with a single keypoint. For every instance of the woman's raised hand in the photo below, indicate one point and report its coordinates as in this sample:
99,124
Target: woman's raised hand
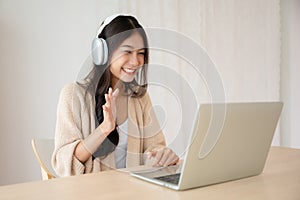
109,111
89,145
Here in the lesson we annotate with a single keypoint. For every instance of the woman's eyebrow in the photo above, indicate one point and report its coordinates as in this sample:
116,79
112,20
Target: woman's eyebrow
131,47
127,46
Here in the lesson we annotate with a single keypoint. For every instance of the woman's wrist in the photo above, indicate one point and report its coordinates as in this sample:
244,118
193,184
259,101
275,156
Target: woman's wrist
91,143
103,129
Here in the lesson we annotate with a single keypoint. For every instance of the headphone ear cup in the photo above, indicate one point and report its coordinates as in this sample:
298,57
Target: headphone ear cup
99,51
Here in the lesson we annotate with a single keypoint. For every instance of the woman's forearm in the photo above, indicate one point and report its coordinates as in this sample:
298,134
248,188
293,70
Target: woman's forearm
89,145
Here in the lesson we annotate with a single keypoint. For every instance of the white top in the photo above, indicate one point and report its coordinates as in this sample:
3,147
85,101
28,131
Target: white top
121,149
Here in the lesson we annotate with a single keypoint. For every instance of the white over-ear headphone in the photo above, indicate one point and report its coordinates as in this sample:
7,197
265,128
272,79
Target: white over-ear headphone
99,45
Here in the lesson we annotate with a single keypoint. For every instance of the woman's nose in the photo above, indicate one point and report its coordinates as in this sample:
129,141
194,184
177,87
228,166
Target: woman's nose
135,59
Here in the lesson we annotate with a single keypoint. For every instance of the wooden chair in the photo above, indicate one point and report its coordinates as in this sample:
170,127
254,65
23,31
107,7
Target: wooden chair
43,149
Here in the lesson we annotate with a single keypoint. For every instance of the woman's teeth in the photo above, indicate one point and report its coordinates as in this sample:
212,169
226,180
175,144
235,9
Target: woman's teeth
129,70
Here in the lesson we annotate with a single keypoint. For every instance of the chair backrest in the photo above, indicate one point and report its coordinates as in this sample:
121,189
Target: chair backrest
43,149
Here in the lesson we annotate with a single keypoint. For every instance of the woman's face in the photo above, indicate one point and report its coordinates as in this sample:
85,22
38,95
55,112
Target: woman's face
127,59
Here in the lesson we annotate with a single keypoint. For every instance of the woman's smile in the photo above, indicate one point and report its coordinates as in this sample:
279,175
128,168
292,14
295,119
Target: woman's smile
129,71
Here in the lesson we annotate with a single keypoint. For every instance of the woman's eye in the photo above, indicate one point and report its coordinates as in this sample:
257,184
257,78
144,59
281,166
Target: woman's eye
142,53
128,52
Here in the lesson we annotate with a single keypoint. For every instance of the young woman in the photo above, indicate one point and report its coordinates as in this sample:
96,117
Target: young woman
107,121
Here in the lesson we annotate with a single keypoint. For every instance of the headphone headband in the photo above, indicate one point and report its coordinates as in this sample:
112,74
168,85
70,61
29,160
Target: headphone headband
108,20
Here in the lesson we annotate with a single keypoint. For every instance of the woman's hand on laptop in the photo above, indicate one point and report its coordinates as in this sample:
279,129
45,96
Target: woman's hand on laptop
163,157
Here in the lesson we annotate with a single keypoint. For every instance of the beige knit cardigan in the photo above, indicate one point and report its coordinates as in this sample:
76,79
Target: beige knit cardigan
76,119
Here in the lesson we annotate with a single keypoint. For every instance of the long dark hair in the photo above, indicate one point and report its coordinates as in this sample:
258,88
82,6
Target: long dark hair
99,79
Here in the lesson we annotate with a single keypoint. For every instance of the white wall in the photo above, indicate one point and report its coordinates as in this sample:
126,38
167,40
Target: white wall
43,44
290,73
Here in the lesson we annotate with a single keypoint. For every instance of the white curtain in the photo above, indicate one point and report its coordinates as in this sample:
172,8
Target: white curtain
243,38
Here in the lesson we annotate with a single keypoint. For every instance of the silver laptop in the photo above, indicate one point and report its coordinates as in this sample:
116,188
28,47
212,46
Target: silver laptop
229,141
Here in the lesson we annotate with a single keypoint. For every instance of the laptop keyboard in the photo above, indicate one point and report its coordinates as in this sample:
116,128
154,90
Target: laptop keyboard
173,178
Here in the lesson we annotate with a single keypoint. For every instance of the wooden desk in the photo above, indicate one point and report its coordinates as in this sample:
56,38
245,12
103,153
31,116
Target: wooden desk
280,180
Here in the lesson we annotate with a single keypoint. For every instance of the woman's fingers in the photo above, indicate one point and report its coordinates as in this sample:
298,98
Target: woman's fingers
108,100
171,160
110,97
115,93
168,158
113,96
157,157
109,110
164,157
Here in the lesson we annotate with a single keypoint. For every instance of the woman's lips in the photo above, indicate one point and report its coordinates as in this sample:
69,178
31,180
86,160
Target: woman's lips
129,70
